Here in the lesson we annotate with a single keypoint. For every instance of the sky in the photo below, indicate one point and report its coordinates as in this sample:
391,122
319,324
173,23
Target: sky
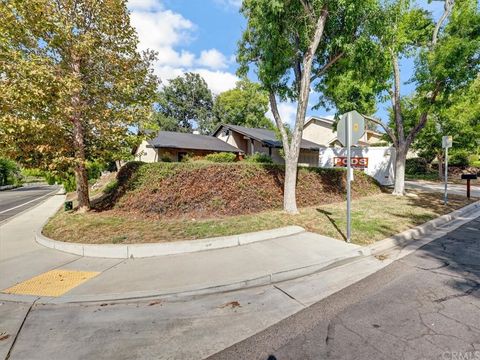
202,35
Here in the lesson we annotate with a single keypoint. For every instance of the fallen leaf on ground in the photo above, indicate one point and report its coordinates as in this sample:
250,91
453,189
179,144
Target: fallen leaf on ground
4,336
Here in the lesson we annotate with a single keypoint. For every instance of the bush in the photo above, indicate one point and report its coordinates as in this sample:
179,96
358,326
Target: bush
416,166
259,158
222,157
459,158
94,170
165,159
9,172
474,160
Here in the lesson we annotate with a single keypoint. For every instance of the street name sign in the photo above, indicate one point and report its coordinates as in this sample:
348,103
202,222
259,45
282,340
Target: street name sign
447,142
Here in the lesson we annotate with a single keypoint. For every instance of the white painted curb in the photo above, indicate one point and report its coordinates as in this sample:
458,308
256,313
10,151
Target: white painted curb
125,251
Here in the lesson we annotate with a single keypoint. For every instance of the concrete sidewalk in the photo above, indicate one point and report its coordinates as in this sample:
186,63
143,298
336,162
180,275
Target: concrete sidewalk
261,263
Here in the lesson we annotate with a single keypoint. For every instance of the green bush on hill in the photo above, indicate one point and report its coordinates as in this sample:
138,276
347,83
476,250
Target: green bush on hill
222,157
259,158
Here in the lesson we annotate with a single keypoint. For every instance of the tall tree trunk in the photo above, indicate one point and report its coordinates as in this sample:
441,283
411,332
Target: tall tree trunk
289,193
81,177
400,159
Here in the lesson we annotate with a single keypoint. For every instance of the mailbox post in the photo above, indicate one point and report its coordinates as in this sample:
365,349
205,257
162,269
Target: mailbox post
468,177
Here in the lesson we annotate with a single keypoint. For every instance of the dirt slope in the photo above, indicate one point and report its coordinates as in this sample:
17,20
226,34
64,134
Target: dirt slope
198,190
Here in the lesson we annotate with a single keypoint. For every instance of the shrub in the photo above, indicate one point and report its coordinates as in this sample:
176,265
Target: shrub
221,157
165,158
259,158
9,172
459,158
474,160
94,170
415,166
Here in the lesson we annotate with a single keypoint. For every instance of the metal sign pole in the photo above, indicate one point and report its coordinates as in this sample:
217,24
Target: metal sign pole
445,201
349,171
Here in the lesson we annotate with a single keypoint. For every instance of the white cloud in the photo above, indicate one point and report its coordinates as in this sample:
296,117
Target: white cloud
230,3
287,110
160,28
218,81
145,5
213,59
167,33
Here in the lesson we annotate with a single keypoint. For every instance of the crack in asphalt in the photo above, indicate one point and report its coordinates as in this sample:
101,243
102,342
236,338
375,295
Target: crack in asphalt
20,329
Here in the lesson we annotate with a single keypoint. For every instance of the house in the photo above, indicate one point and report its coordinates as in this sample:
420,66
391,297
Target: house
253,140
175,145
319,129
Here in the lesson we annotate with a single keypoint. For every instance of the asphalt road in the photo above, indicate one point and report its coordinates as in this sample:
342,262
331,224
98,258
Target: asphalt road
424,306
17,200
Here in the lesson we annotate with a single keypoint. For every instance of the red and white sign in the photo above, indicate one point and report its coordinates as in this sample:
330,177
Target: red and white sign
357,162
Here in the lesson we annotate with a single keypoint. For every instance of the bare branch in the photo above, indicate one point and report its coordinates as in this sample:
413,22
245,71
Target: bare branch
279,122
448,6
325,67
389,131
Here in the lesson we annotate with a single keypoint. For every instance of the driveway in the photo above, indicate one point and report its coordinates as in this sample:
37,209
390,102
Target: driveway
17,200
440,187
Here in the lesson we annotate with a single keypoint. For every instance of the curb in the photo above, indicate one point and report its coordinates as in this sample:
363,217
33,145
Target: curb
160,249
206,289
401,240
408,236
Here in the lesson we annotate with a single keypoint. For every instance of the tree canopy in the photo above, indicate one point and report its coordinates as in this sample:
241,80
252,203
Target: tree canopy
293,47
445,54
72,84
245,105
185,104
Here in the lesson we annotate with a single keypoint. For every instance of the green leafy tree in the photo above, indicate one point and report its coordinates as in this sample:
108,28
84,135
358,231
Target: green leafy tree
460,118
72,84
293,46
446,59
189,101
245,105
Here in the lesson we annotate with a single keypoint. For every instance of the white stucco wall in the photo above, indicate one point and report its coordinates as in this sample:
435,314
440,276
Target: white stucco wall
145,153
381,161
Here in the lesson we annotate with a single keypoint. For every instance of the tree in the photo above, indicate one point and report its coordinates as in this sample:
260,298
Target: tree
245,105
460,117
72,84
189,101
293,45
446,56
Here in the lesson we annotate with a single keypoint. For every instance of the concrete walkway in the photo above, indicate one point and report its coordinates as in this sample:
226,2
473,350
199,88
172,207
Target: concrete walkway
456,189
264,262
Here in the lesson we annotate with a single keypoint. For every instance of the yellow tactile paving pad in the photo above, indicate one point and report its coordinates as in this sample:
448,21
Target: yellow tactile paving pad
51,283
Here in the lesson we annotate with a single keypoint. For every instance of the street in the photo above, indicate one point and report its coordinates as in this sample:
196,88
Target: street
424,306
15,201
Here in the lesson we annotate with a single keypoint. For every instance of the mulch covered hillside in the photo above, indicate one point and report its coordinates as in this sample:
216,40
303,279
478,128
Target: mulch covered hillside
199,190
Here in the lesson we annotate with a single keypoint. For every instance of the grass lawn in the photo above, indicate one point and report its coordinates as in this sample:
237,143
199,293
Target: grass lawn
373,218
